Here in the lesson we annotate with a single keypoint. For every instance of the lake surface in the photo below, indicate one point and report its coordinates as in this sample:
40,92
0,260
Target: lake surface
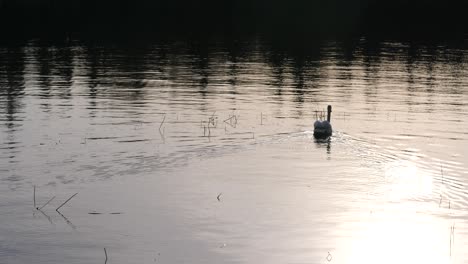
203,152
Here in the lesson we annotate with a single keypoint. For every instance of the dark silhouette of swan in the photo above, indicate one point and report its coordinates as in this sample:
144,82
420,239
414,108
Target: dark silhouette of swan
323,129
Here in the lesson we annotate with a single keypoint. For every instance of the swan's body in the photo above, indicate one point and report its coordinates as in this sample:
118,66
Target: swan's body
323,129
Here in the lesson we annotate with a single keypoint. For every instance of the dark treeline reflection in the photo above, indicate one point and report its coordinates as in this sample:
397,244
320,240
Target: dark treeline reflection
184,72
12,84
335,17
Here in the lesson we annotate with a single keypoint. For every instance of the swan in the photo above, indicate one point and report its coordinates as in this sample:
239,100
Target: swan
323,129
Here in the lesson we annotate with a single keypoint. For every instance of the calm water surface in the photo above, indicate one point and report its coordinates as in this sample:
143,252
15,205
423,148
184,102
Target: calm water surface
203,153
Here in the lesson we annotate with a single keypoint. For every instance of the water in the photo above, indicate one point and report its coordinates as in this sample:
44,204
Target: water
204,153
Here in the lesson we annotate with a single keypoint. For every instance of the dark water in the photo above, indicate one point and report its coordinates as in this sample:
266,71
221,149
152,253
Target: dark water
203,153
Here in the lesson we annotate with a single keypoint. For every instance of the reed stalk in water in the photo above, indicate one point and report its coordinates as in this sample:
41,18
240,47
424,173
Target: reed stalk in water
162,122
67,220
105,253
48,217
34,196
452,237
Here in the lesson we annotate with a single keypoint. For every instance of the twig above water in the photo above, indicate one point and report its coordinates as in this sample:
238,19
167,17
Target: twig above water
228,119
46,203
65,202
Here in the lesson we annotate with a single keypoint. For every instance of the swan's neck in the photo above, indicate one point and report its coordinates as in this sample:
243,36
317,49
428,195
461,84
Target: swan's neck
329,113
